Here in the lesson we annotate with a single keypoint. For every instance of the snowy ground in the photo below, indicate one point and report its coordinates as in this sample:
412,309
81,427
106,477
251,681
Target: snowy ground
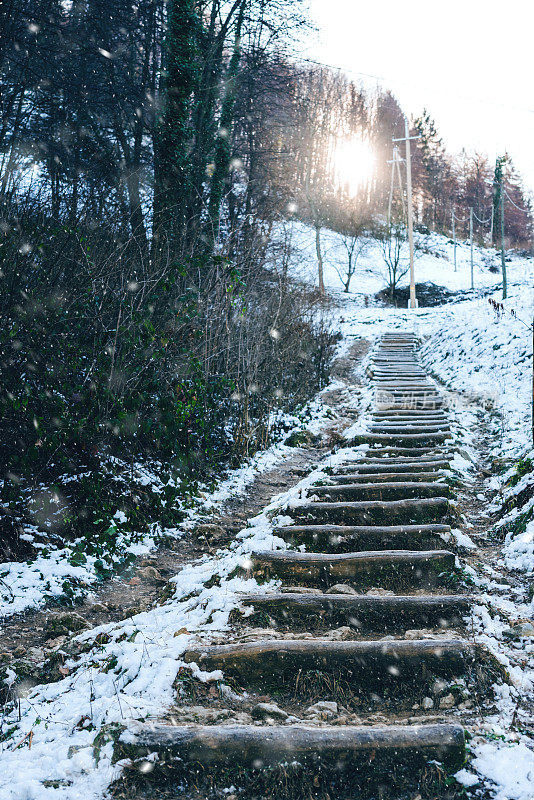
486,360
434,262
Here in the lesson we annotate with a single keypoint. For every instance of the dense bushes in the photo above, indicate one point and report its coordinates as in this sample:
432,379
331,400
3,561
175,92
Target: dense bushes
102,354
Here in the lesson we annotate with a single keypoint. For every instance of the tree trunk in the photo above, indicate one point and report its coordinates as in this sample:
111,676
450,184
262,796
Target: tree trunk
173,135
319,258
224,142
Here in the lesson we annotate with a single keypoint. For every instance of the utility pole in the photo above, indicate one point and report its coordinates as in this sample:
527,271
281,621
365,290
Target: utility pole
399,159
471,236
395,162
454,237
503,257
392,183
407,138
410,210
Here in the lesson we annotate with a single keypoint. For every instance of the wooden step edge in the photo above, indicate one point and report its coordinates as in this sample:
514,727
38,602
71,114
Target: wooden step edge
369,487
393,610
379,530
363,557
405,426
270,656
396,430
413,404
361,492
406,415
423,460
402,438
370,470
394,477
386,568
258,746
367,512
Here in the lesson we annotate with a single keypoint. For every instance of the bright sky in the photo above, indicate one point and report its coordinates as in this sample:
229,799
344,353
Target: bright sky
469,62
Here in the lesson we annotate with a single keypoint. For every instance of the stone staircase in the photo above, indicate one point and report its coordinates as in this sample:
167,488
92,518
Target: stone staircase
369,622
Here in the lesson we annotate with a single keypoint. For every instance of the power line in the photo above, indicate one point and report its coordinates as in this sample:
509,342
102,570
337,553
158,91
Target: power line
457,218
382,79
525,210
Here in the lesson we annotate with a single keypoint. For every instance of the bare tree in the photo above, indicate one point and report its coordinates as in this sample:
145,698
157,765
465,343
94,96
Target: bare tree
392,241
355,241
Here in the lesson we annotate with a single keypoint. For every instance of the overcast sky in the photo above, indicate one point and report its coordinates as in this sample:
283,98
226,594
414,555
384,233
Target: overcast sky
469,62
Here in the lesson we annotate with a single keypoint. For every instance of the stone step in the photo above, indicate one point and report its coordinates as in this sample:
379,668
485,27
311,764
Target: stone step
350,538
373,512
348,749
366,665
385,568
377,613
381,491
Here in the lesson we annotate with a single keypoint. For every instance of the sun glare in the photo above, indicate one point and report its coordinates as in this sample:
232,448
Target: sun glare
354,163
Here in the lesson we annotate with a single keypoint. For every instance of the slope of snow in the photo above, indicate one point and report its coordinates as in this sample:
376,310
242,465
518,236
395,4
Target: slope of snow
434,262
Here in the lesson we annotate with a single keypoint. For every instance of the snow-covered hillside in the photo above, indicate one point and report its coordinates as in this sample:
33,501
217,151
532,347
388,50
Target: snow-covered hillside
434,262
485,354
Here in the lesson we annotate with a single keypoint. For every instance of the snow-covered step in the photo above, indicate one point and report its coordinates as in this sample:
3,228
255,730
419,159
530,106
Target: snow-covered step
377,613
371,477
335,538
369,464
406,413
401,438
375,512
385,568
365,665
394,490
345,749
411,427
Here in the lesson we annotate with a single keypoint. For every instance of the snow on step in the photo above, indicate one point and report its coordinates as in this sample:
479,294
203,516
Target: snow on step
249,746
346,538
366,665
371,512
371,568
381,491
366,612
370,465
385,477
